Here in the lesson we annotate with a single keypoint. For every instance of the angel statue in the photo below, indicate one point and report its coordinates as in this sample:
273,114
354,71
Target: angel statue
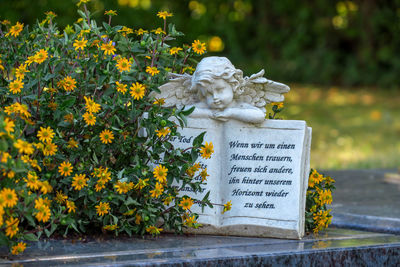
219,91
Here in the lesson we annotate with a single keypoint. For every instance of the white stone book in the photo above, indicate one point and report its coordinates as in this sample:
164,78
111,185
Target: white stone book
261,168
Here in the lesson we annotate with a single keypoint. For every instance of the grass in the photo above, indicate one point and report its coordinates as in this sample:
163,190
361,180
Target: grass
352,128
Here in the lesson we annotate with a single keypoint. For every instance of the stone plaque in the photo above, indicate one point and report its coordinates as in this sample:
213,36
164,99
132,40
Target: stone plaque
261,168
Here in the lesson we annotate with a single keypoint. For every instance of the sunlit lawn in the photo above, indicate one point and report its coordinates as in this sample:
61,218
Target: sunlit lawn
352,128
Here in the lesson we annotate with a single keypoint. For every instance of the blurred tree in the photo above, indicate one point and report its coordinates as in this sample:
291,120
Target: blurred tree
312,41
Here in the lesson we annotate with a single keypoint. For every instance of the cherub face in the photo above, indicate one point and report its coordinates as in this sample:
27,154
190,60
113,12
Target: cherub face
218,94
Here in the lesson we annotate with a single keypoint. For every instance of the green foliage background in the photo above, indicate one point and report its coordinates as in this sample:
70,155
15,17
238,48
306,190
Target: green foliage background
312,41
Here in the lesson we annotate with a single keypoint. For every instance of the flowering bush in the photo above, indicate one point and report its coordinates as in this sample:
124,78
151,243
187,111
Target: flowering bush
83,145
319,194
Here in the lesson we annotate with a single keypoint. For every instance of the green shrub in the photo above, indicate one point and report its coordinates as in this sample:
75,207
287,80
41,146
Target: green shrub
75,104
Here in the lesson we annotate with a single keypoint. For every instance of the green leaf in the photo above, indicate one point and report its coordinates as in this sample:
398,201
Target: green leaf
187,112
69,102
31,237
199,139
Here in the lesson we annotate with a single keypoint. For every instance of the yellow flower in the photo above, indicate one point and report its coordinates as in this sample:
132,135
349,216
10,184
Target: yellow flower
12,227
190,220
158,31
108,48
65,168
277,104
203,175
207,150
79,181
103,208
32,181
69,30
168,199
45,187
160,173
110,12
106,136
45,134
164,14
142,183
82,2
20,72
18,248
40,56
199,47
153,230
125,30
80,44
16,29
68,83
69,118
110,227
16,86
159,101
71,206
123,188
89,118
49,149
137,90
123,64
227,206
91,106
174,50
10,197
5,22
163,132
138,218
186,203
9,125
72,143
141,31
152,70
60,197
44,213
315,178
24,147
325,197
157,191
4,156
122,88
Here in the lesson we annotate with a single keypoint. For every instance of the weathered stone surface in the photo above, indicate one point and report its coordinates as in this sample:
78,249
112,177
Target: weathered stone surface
261,168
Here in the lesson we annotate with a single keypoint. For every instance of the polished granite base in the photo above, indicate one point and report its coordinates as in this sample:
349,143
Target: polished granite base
363,200
334,247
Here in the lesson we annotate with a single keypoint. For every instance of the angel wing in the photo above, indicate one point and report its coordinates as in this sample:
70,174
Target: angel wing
259,91
176,92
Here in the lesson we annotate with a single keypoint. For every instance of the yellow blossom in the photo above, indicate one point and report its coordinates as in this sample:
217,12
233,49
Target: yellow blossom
103,208
157,191
174,50
153,230
227,206
108,48
10,197
207,150
186,203
80,44
199,47
16,86
12,227
79,181
16,29
137,90
65,168
123,64
163,132
40,56
106,136
164,14
89,118
18,248
160,173
45,134
122,88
